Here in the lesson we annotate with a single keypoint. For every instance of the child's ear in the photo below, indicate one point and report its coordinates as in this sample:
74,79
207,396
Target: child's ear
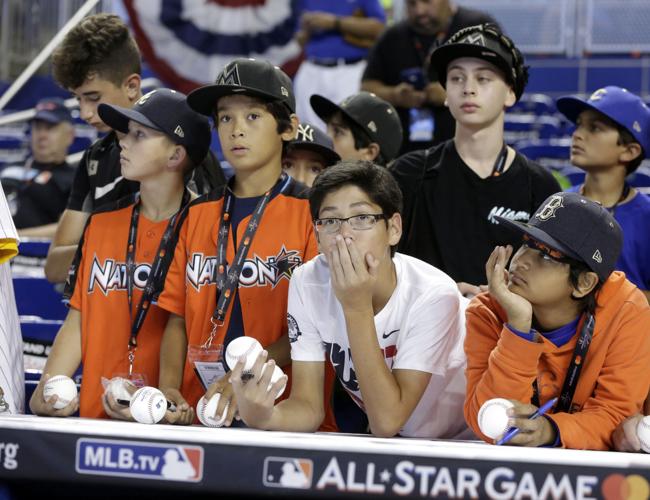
177,158
586,283
132,86
511,98
394,229
630,153
372,151
290,132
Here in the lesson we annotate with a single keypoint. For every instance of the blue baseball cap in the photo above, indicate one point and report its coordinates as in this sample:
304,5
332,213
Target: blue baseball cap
616,103
167,111
52,110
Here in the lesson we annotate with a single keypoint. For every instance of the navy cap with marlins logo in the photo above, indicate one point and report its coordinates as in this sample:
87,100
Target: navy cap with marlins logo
375,116
486,42
255,77
167,111
579,228
616,103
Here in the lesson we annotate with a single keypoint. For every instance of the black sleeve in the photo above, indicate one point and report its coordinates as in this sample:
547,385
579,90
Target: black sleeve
80,185
377,58
408,170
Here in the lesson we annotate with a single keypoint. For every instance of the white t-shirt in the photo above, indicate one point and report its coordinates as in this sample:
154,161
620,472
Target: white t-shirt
422,327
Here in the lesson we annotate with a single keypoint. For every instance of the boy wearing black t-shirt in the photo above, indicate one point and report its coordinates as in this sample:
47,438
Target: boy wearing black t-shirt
454,192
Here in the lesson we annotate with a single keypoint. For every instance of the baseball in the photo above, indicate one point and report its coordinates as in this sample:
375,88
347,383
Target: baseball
206,411
121,389
245,349
277,373
148,405
61,386
492,417
643,432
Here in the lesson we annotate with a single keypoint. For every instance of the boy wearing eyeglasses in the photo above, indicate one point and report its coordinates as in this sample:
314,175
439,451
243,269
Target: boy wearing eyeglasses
390,325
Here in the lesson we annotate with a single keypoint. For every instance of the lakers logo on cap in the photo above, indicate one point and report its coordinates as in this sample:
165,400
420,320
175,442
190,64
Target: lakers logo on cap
305,133
145,98
550,208
229,76
598,94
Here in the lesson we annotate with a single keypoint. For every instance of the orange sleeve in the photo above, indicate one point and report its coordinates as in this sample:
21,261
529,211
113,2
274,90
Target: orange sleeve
500,364
311,249
621,387
172,297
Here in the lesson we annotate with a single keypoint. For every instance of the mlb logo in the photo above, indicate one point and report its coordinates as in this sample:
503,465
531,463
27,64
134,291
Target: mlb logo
287,472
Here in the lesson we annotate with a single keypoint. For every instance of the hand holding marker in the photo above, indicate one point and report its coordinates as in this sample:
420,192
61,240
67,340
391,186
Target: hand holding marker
515,430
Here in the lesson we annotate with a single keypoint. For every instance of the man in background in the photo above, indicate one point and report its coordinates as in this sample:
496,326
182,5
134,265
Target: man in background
38,190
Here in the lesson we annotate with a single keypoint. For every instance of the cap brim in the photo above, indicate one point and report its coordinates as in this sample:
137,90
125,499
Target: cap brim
204,99
118,118
46,116
571,107
445,54
538,235
325,108
331,157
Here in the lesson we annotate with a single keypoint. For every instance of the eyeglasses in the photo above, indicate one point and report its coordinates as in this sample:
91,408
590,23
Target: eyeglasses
361,222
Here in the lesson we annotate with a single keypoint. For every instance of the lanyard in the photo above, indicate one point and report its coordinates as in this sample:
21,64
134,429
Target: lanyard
624,194
573,373
157,267
228,281
500,163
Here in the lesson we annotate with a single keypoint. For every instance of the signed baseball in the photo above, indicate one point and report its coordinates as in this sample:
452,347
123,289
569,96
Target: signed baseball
121,389
492,417
206,412
148,405
245,349
61,386
643,432
277,373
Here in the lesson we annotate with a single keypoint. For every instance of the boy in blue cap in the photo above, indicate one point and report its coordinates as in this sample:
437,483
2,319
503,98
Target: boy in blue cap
611,140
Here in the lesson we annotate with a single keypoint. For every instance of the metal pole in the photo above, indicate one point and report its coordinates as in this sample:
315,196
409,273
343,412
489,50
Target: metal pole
46,52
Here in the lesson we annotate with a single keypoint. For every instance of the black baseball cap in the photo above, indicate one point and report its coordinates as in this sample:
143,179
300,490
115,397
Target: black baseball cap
52,110
167,111
255,77
578,227
486,42
314,139
375,116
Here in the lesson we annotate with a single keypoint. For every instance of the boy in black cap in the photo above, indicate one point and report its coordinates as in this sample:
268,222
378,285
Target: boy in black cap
308,154
37,189
453,192
239,245
362,127
559,322
611,140
124,254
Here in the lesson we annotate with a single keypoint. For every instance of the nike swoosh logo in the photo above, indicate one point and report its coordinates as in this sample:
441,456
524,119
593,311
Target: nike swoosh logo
386,335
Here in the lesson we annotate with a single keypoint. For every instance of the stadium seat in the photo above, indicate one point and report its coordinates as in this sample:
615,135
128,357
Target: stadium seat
537,104
531,127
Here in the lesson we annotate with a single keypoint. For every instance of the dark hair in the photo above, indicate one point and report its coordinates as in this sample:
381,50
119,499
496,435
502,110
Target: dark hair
588,303
361,138
99,44
625,138
374,180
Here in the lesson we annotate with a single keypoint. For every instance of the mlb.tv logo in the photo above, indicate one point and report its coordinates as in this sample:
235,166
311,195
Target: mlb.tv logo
286,472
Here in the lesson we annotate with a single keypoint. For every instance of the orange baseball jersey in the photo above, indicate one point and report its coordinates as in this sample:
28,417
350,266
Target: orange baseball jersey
97,287
614,380
283,240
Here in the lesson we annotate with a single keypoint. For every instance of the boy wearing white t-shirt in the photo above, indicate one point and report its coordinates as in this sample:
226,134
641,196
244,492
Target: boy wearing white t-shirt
391,325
